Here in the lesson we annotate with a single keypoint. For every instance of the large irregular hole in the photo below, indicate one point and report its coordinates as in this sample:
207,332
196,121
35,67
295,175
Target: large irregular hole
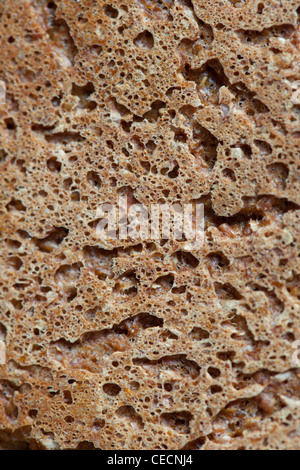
15,206
7,394
64,138
178,421
203,144
154,114
145,40
163,284
197,444
208,79
263,38
126,285
129,414
199,334
293,285
111,389
110,11
68,273
216,262
87,353
185,260
83,93
227,292
15,262
86,445
54,165
278,173
178,366
52,241
94,179
61,39
99,261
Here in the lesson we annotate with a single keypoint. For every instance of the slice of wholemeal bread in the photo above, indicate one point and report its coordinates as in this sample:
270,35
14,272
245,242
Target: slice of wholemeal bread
149,344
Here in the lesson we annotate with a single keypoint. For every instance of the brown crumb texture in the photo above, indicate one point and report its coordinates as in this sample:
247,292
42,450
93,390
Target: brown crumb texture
146,345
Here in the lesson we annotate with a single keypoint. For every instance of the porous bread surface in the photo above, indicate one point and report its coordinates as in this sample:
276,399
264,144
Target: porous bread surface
147,345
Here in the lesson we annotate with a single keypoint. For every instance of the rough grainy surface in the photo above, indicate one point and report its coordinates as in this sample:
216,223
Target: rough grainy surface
146,345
